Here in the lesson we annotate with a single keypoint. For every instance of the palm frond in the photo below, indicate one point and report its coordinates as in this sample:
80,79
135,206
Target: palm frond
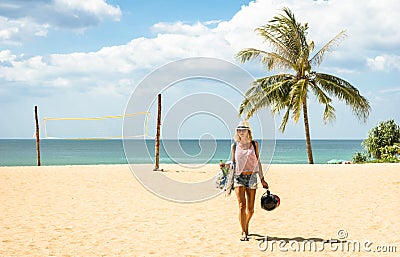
329,112
287,37
317,59
297,35
298,95
288,31
285,119
269,91
274,41
272,60
344,91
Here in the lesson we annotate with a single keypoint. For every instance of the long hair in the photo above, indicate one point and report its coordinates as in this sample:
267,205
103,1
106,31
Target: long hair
237,137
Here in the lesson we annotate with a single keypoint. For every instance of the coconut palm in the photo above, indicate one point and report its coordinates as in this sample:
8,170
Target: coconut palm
287,92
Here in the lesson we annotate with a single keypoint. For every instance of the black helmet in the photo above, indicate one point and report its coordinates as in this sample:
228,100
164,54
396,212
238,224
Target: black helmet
269,201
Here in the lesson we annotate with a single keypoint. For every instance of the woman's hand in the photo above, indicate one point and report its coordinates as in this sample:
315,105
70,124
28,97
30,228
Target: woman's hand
264,183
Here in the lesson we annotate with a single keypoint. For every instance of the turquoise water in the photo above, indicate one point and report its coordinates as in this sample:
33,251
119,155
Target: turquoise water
22,152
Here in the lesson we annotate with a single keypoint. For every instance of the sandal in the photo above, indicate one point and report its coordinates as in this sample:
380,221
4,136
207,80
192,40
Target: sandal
244,238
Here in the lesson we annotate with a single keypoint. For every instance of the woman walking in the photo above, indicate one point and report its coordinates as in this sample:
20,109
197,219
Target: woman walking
247,166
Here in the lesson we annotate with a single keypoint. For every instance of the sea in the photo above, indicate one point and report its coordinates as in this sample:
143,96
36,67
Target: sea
22,152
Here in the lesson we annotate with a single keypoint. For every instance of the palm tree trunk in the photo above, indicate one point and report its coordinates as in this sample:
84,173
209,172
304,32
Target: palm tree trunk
307,130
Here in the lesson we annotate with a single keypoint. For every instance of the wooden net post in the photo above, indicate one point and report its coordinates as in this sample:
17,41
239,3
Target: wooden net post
37,136
157,143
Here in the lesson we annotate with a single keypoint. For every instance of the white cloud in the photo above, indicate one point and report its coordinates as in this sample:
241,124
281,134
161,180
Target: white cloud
6,55
378,63
384,63
14,32
21,19
98,7
180,28
110,67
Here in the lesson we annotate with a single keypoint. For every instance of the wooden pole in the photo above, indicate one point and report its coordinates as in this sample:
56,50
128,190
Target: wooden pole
157,145
37,136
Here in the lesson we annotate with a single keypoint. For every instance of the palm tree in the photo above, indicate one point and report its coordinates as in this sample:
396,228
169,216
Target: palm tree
289,92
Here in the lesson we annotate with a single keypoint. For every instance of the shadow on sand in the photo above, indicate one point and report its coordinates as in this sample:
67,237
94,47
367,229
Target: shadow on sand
259,237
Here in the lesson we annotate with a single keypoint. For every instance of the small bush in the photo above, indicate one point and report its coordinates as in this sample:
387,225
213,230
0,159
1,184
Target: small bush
359,157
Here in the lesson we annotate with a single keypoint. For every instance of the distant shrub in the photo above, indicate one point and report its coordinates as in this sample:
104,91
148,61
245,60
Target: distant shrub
359,157
382,140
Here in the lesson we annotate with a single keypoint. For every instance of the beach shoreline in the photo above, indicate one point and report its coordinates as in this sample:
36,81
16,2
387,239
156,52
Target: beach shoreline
92,210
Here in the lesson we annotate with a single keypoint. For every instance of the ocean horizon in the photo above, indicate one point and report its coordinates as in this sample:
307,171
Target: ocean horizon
22,152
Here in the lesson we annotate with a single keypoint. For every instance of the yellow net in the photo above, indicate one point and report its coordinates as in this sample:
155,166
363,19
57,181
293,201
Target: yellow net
146,125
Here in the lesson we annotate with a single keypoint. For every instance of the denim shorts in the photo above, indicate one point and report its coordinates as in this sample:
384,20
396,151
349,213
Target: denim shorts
248,181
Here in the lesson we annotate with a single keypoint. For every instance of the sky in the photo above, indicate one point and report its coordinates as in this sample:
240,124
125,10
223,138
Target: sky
76,58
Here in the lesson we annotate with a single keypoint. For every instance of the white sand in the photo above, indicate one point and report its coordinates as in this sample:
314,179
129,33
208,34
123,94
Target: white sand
104,211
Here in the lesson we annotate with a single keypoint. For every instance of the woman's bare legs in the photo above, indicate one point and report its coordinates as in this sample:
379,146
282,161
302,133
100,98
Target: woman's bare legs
241,197
250,195
246,198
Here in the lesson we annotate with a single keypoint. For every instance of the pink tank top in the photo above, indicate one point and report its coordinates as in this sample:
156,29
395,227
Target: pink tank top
246,160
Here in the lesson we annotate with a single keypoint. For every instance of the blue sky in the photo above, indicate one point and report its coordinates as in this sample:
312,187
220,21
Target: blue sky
85,58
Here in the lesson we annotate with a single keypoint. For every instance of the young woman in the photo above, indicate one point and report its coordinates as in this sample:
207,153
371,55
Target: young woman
247,166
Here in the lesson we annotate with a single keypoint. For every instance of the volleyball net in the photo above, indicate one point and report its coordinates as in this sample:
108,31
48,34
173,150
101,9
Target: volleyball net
103,127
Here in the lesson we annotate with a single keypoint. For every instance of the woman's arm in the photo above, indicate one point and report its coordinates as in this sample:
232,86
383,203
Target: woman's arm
233,152
260,171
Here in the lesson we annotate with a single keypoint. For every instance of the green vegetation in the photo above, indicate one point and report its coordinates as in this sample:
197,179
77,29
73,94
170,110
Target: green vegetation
359,157
382,144
288,93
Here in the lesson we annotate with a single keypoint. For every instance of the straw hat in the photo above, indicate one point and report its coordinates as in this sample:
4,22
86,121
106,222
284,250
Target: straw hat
243,124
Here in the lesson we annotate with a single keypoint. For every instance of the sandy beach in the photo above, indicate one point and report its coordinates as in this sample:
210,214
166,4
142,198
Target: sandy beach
103,210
